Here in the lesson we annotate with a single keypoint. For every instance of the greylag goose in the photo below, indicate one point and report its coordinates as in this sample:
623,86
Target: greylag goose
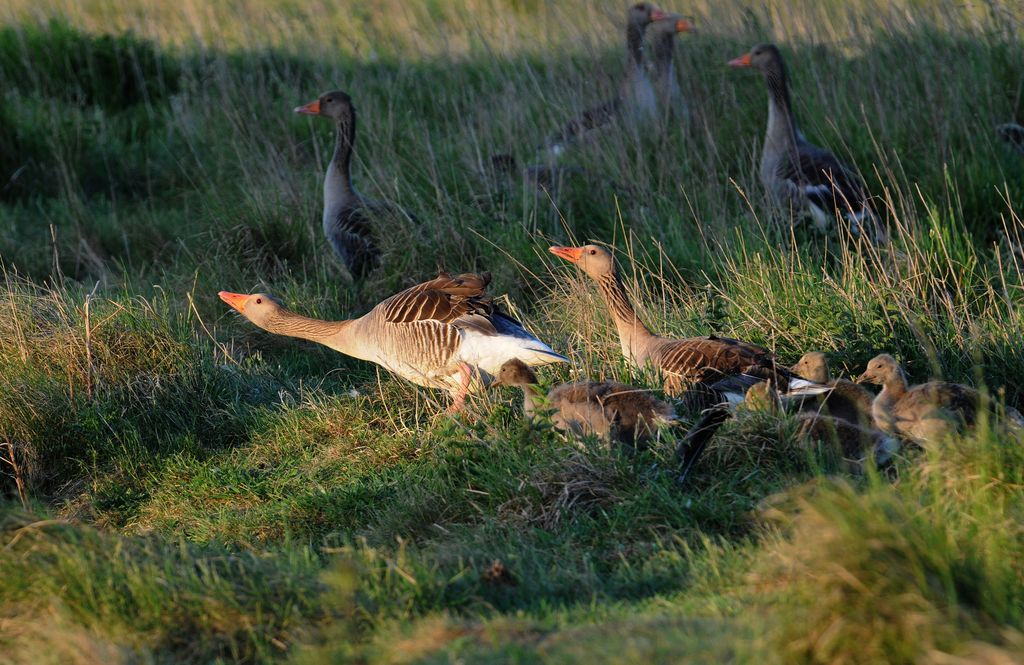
847,401
349,217
636,96
925,413
610,410
443,333
683,362
797,173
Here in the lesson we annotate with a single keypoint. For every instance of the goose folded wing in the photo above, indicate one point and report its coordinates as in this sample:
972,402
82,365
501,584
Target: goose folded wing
445,299
960,400
708,359
825,181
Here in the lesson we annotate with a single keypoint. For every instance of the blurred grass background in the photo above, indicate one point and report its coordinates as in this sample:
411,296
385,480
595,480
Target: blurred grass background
201,491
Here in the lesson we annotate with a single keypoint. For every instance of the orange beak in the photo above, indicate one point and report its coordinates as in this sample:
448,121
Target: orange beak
312,108
236,300
742,61
570,254
658,15
682,25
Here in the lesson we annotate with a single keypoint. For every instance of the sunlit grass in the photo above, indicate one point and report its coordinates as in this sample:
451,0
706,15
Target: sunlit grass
196,489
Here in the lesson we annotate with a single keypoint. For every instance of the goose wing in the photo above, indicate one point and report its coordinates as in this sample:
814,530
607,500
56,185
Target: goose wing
444,299
708,359
461,304
351,236
958,400
825,181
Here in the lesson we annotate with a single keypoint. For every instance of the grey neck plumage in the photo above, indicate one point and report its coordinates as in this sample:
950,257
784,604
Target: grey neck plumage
664,47
635,44
782,131
338,190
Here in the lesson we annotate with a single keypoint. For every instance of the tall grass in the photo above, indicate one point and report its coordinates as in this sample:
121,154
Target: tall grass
199,490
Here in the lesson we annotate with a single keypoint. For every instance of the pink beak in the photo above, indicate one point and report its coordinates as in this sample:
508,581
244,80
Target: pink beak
742,61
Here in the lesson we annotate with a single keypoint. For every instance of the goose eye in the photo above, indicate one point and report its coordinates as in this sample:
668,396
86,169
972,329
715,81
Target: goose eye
593,251
259,301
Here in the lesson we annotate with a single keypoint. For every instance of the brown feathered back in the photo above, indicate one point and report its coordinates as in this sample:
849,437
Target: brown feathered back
960,401
444,298
706,360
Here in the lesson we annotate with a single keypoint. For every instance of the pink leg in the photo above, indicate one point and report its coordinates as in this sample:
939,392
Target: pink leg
466,374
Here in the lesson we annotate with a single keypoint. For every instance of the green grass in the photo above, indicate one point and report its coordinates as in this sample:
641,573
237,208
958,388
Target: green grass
199,491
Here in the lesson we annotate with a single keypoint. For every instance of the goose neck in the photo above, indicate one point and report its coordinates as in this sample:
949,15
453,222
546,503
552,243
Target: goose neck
338,182
896,386
664,49
342,336
633,334
531,397
782,129
635,44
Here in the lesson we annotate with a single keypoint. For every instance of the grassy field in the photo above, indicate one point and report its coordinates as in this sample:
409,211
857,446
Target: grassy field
200,491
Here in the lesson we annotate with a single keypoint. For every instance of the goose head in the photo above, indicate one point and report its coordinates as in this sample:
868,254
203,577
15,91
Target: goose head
672,24
882,370
260,308
643,13
336,105
813,366
763,57
515,373
763,397
594,260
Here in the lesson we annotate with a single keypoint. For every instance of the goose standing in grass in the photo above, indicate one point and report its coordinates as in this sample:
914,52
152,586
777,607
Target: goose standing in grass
847,400
797,173
683,362
349,217
443,333
610,410
925,413
636,98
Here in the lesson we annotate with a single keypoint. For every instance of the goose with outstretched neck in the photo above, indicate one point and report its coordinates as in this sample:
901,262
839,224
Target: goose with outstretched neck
609,410
683,362
444,333
798,174
349,217
637,97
